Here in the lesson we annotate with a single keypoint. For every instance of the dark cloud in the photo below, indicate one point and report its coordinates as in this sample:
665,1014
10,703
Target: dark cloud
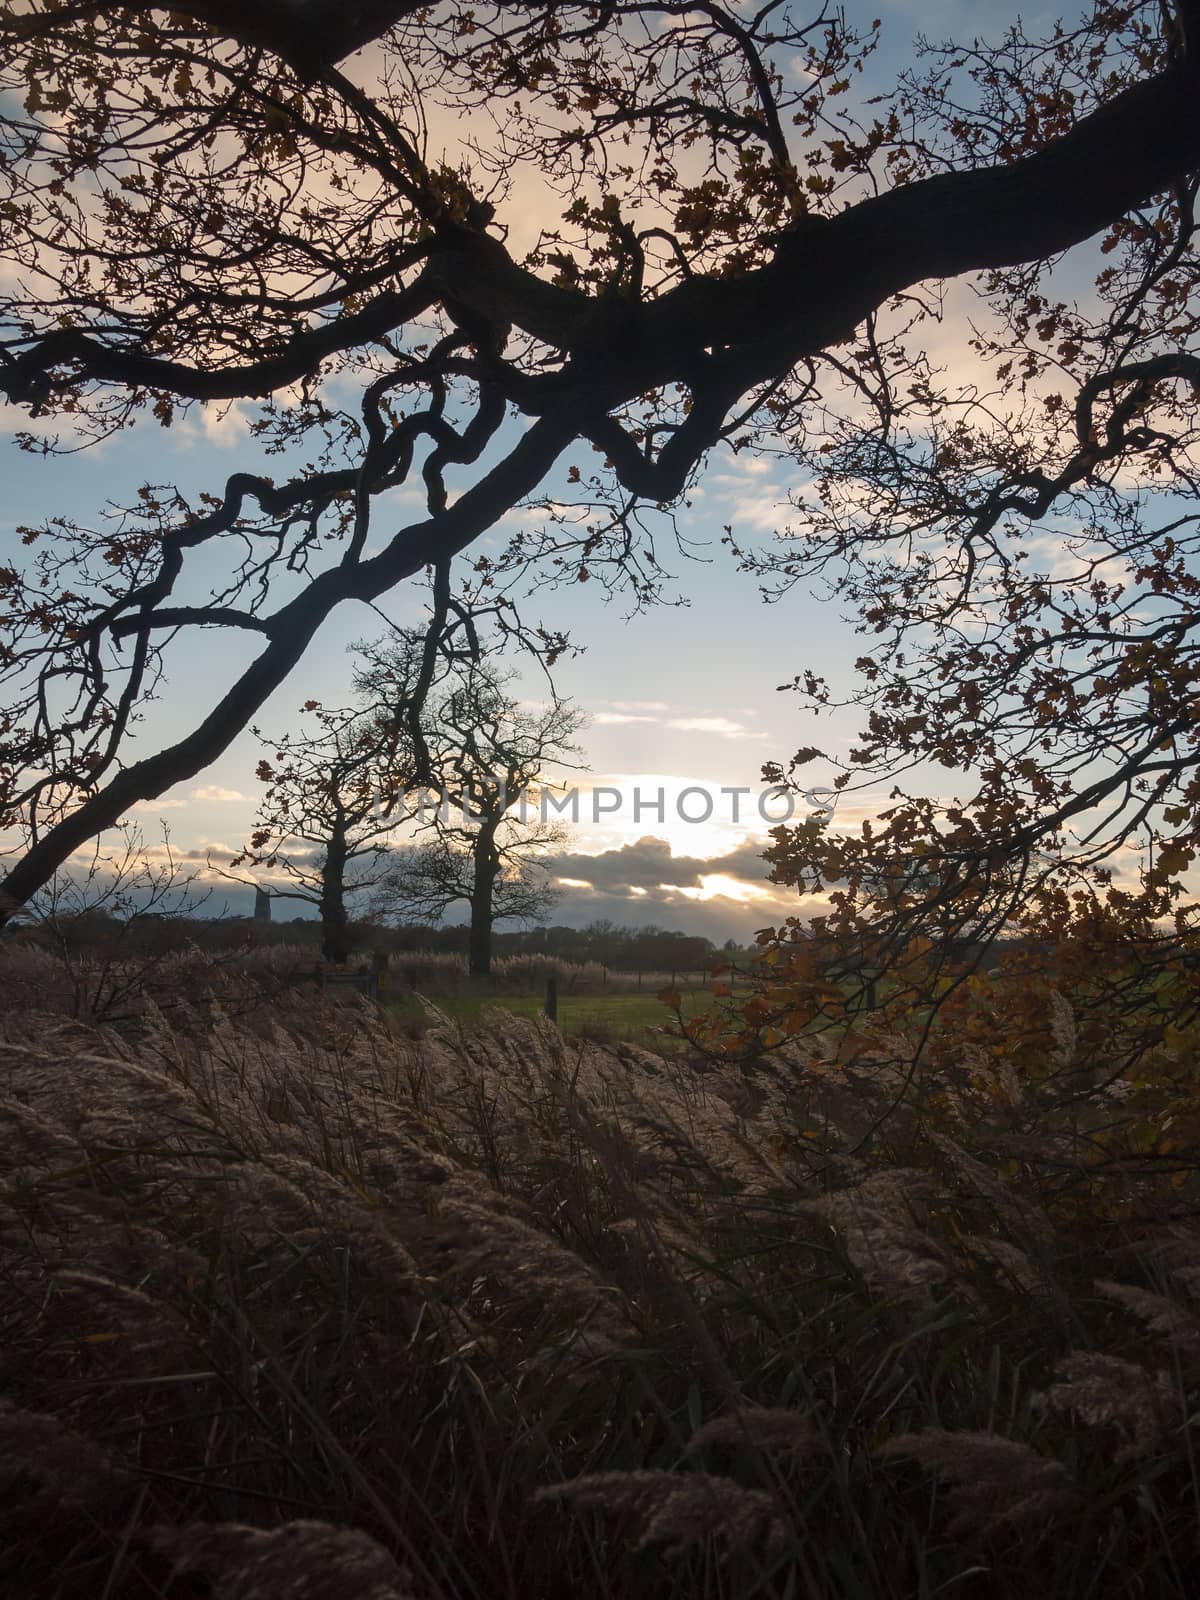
643,883
649,865
716,919
632,886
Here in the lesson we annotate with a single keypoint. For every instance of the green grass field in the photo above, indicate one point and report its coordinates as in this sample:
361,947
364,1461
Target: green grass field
609,1017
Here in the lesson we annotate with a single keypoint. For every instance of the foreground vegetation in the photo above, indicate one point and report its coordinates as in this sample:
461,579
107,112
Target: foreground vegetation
295,1303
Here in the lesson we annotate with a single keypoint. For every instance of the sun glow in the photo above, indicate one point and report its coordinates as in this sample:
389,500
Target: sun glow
719,885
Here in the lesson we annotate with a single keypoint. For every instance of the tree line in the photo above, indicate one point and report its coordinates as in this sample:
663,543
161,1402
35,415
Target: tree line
434,740
622,949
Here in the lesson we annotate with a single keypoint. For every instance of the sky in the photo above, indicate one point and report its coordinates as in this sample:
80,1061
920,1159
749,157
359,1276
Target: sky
681,698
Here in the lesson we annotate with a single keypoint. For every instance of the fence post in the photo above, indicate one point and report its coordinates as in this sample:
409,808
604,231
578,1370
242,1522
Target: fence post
379,967
551,1006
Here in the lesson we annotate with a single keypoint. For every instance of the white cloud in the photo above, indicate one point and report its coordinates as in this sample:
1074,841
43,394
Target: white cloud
734,471
720,726
611,719
639,705
766,512
225,423
216,791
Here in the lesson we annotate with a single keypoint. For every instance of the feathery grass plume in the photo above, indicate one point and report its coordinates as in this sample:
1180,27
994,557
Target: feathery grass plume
888,1191
294,1201
301,1560
1016,1210
42,1137
1162,1315
773,1429
692,1130
102,1100
62,1465
997,1483
527,974
994,1074
572,1120
486,1246
679,1510
494,1092
678,1236
658,1222
79,1268
1063,1031
1189,1277
1172,1252
1009,1259
144,1328
876,1223
1106,1391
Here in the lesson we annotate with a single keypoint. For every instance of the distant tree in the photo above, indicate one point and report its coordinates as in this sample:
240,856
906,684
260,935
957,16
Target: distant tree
484,757
328,810
603,941
497,884
114,916
658,949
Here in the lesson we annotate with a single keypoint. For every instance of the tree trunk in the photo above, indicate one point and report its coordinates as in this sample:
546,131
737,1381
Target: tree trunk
335,942
487,865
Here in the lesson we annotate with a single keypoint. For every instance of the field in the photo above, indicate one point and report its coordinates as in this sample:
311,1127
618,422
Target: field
619,1016
299,1299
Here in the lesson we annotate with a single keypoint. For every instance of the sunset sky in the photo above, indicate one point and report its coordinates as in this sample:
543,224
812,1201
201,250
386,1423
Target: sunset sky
684,695
678,697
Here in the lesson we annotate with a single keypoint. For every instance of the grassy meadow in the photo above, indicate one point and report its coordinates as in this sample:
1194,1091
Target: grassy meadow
299,1299
616,1017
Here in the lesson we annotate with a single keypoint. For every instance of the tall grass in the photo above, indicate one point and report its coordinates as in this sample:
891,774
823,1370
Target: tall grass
294,1304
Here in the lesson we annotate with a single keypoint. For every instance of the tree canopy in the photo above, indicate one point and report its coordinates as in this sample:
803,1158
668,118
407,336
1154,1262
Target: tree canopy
481,824
733,246
328,809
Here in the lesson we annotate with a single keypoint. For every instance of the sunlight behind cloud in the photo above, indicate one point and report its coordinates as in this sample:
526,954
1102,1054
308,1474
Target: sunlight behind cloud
720,884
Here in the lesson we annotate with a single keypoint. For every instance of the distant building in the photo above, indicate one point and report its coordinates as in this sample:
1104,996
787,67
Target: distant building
262,906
